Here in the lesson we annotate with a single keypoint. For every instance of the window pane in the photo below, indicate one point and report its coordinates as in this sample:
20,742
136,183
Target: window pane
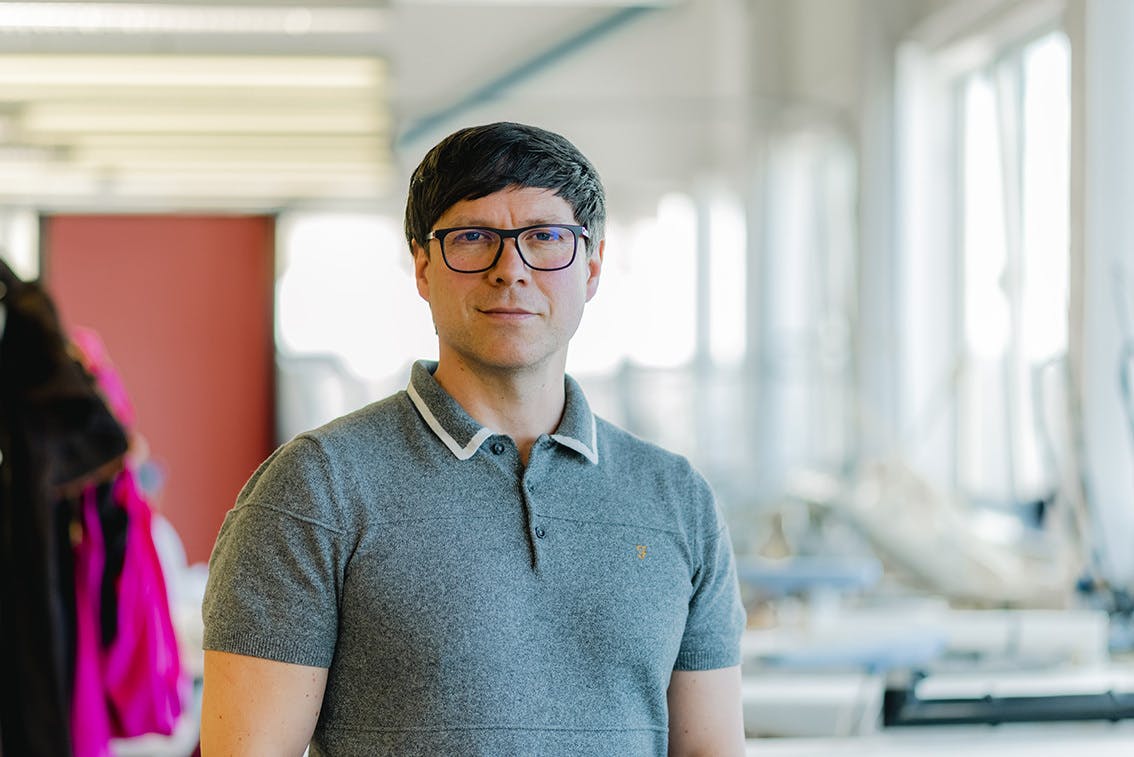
1046,197
986,313
727,280
346,291
663,254
600,344
1015,144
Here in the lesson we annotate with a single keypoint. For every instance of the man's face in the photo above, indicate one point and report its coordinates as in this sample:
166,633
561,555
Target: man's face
509,317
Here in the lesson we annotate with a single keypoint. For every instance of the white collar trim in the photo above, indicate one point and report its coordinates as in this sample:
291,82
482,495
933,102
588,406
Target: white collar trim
591,452
461,453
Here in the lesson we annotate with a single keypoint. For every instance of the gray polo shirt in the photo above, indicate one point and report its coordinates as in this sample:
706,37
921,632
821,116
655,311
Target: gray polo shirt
465,604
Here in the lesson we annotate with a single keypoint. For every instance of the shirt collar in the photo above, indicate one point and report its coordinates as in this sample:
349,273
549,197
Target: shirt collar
577,428
462,435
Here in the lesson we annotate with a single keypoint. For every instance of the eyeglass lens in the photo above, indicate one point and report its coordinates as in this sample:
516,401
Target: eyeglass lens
543,247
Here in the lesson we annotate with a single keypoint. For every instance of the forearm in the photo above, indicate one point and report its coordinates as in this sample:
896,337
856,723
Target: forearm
252,706
705,714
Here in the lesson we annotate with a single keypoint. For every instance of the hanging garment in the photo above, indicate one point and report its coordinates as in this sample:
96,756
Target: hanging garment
90,722
136,686
142,672
93,355
56,434
131,685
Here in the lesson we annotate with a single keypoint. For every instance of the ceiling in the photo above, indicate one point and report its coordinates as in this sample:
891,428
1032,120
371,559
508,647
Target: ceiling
258,104
197,128
135,105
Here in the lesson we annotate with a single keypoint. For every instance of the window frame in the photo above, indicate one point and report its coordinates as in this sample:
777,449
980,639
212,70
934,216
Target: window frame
932,65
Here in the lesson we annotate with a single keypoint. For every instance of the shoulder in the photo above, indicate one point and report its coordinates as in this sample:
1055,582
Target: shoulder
666,480
360,434
364,428
305,476
624,451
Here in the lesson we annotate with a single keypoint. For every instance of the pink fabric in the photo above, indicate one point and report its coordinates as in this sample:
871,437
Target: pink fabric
142,669
135,685
90,722
94,357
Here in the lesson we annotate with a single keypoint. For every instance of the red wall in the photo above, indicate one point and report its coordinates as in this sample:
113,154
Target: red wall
184,306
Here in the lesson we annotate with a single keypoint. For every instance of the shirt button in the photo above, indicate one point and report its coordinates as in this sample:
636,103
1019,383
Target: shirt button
531,488
497,448
539,532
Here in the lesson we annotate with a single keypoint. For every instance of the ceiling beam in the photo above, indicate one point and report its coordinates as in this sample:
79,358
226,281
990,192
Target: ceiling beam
498,85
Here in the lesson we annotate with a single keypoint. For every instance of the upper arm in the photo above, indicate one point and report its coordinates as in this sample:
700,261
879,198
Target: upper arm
705,714
253,706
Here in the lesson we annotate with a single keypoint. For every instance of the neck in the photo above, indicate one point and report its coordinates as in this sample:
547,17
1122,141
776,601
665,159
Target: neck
524,404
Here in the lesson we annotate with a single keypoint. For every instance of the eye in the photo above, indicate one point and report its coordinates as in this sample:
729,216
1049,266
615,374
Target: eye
546,234
469,236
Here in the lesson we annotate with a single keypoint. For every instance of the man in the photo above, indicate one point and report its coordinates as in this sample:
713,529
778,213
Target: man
477,565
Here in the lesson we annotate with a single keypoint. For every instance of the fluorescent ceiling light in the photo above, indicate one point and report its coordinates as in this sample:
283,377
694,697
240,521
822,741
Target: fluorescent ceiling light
221,71
122,127
163,142
342,158
134,18
18,182
66,118
182,172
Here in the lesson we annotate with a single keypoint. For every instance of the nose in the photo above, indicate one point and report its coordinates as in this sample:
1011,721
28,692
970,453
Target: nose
510,267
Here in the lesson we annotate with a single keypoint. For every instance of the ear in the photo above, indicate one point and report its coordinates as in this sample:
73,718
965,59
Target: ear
421,269
594,269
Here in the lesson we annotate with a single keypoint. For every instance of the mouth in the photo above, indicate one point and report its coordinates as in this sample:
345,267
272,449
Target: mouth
507,312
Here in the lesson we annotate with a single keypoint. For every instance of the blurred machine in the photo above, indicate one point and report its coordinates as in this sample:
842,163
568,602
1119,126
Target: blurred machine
926,614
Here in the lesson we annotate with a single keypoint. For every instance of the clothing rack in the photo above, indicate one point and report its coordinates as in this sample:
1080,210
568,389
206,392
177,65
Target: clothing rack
81,593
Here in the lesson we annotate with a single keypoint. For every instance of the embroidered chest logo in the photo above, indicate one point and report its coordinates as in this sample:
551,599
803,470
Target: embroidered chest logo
641,551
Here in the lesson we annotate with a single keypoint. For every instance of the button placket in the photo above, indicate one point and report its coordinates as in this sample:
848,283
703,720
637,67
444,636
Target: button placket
537,532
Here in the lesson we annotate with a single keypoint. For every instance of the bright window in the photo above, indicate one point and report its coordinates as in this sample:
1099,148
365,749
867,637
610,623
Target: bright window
346,291
728,253
1014,145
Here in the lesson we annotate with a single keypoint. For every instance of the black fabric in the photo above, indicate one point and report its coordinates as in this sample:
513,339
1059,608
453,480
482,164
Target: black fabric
113,520
55,431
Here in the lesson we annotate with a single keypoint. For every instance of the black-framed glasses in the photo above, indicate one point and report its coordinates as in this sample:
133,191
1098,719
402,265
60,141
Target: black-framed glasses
475,249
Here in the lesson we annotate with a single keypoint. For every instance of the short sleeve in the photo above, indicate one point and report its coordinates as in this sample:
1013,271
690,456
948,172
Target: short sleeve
275,574
716,618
